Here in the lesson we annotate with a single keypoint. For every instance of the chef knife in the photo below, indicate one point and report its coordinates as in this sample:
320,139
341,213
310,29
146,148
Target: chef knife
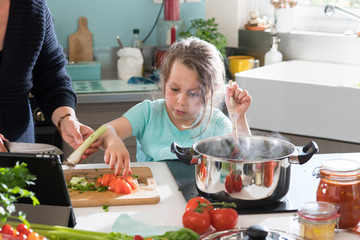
36,148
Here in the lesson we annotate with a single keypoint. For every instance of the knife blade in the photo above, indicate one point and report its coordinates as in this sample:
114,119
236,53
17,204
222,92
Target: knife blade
36,148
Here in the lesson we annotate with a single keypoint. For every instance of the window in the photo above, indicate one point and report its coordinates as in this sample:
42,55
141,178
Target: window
309,16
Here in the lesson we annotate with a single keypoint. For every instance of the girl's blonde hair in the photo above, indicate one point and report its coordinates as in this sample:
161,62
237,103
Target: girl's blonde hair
207,62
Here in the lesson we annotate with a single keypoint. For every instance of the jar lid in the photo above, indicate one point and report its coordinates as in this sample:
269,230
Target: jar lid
318,210
340,169
342,165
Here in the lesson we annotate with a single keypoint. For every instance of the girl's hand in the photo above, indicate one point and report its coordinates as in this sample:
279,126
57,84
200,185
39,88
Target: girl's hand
242,99
116,155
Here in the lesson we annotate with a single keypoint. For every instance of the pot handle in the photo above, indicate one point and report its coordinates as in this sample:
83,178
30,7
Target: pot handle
305,153
186,155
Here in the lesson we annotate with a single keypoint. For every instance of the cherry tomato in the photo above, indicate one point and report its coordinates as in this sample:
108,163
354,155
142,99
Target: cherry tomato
196,221
33,236
8,230
138,237
23,228
21,236
229,184
237,183
193,203
223,218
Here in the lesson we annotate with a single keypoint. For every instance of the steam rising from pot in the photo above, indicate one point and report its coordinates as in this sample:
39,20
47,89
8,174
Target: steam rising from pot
252,148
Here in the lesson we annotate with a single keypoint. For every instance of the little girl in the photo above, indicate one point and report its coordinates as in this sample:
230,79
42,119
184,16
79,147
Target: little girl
192,77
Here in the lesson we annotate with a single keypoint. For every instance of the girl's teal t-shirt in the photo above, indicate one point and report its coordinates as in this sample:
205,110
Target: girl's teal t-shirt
155,132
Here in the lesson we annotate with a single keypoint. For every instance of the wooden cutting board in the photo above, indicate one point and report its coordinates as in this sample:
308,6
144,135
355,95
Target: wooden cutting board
81,43
147,192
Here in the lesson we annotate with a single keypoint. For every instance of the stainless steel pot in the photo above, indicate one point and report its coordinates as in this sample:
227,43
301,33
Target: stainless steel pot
262,169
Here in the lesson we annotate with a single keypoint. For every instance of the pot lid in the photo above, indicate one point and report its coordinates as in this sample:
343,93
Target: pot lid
255,232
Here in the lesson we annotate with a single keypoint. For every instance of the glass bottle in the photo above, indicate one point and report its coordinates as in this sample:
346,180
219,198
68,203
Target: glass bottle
340,184
137,42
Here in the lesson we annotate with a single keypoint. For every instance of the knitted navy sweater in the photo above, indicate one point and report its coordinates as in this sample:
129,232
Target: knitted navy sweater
32,61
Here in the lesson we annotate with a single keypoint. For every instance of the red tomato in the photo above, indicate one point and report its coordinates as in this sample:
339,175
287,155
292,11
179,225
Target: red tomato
9,230
223,218
196,221
122,187
229,184
131,182
23,228
237,183
138,237
33,236
193,203
21,236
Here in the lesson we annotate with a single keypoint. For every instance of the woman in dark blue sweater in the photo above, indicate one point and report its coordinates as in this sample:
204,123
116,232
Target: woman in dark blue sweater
33,62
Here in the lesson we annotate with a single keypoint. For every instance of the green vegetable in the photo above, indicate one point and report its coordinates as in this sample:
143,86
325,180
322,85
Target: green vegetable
106,208
13,182
65,233
75,157
82,184
181,234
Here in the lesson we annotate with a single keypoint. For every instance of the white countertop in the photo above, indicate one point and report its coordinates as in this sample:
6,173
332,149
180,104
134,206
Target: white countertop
168,212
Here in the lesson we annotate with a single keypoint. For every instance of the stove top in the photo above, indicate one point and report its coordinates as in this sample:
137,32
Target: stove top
185,178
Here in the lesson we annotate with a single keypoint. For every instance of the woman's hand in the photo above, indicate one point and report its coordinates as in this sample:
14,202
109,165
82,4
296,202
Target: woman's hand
74,133
2,146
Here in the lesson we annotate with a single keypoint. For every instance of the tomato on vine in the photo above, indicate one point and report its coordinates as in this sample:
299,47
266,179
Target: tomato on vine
197,221
223,218
194,202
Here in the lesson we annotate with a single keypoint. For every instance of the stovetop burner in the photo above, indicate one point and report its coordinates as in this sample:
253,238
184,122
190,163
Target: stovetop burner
185,178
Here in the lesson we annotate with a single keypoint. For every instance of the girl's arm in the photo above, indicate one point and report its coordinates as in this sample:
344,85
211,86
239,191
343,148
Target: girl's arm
242,100
116,153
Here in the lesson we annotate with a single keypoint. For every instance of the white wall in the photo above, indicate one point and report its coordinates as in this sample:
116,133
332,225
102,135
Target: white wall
231,15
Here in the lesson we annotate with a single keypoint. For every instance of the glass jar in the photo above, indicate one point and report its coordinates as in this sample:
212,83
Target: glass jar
340,184
318,220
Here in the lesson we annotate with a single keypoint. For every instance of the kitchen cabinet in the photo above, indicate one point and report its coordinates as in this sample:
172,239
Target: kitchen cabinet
167,214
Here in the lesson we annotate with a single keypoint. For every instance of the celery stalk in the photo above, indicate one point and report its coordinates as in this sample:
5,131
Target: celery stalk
75,157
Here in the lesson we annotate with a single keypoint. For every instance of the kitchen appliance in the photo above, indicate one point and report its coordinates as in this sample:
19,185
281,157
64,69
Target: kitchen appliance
50,189
35,148
214,167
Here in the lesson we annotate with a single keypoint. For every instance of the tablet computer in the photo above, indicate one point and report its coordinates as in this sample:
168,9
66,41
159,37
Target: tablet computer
50,186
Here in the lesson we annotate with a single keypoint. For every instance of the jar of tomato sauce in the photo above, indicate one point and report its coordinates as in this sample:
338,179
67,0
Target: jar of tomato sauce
340,184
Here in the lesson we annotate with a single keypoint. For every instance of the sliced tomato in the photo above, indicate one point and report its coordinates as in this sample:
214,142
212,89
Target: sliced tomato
132,183
105,180
122,187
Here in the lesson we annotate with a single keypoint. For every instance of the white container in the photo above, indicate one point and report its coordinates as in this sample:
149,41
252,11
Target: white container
273,56
130,63
284,19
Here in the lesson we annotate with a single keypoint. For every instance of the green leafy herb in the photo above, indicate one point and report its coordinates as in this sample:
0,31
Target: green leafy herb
207,30
106,208
13,183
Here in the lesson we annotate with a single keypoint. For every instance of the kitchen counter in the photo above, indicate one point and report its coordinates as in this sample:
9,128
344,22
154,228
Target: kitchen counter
168,212
113,91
